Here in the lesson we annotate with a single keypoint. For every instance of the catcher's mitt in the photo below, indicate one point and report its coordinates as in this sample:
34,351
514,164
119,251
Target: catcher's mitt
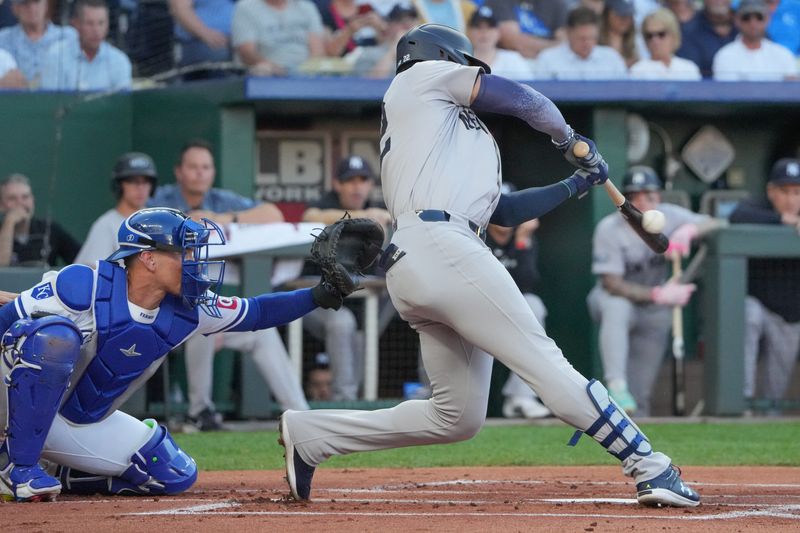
344,249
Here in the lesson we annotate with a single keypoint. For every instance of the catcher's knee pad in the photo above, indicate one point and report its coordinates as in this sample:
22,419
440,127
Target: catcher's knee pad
614,429
38,356
159,467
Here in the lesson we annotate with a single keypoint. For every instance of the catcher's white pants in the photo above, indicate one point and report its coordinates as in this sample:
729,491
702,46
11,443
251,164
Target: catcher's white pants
463,303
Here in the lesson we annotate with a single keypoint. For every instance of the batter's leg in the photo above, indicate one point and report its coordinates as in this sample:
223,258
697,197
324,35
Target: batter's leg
506,328
460,377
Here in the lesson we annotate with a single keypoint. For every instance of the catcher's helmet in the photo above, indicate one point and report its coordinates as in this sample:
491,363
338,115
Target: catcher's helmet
169,230
640,178
431,42
131,165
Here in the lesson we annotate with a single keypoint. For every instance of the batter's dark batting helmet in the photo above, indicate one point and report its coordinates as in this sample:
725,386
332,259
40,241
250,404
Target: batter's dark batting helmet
431,42
131,165
641,178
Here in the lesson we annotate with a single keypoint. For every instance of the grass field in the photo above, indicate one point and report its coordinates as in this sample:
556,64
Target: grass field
711,444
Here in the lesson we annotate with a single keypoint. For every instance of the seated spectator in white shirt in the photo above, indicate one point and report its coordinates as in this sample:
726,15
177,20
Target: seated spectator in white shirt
10,75
580,57
275,37
752,56
662,34
29,41
484,34
90,63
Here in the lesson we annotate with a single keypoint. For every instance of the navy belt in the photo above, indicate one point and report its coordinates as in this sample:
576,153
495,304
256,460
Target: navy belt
435,215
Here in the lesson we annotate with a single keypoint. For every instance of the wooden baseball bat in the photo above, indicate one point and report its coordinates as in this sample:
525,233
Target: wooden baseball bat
657,242
679,379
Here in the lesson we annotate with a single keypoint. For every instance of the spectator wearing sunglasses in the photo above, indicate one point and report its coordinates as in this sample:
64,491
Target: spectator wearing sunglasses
752,56
662,35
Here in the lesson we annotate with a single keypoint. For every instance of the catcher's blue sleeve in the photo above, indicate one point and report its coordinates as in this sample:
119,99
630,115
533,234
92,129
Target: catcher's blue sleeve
275,309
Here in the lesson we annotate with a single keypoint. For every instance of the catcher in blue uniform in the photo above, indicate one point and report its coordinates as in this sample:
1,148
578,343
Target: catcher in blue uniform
79,343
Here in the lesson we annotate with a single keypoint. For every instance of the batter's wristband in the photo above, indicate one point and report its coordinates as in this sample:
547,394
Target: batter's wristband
563,145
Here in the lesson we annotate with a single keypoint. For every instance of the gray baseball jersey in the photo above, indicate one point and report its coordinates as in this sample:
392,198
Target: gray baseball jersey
424,164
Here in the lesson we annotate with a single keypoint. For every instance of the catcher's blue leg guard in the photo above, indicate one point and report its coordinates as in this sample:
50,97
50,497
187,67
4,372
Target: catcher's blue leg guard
159,467
614,429
38,356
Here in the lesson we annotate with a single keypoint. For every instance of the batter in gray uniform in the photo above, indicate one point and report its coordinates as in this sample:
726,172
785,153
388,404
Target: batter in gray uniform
441,182
633,298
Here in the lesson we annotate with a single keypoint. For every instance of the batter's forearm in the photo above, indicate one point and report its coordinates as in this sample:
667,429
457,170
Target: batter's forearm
507,97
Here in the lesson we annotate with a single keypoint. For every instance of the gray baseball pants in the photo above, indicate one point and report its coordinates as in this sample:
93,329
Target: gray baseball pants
464,305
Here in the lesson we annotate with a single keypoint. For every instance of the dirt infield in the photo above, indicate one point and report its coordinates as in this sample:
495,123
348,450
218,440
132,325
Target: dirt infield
433,499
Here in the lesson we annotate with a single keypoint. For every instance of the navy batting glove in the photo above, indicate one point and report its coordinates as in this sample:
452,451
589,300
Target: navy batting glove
598,174
590,161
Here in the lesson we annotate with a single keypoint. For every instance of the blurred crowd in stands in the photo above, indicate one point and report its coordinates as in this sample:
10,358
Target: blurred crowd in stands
91,45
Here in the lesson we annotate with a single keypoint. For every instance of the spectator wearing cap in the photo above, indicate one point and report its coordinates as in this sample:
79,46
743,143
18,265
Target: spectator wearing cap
29,41
784,24
453,13
617,29
484,34
90,63
530,26
349,24
772,320
133,182
753,57
351,191
352,186
380,61
275,37
580,58
662,34
708,31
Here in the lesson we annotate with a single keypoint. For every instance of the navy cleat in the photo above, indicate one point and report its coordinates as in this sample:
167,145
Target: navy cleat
667,489
27,484
298,472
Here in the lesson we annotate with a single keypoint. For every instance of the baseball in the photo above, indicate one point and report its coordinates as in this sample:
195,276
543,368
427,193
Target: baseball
653,221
